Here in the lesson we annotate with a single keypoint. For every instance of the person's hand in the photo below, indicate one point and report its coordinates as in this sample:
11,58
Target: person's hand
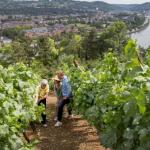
64,97
37,101
46,97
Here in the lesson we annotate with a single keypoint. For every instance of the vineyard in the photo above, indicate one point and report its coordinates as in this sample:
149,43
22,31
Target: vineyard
115,98
17,106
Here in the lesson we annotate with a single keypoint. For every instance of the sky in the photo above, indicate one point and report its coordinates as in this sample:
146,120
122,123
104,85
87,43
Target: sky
121,1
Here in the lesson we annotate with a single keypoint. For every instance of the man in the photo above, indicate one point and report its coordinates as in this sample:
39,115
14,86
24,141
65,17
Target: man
66,97
41,95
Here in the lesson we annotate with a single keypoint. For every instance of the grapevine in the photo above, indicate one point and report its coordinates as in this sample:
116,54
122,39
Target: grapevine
115,98
17,106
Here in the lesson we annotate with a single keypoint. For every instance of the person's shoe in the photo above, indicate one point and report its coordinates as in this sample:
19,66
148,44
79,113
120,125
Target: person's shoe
58,124
55,119
44,125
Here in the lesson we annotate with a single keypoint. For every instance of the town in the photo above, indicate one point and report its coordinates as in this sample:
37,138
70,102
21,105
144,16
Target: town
51,18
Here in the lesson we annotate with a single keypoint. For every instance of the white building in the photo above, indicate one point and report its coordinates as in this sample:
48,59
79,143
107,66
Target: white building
5,40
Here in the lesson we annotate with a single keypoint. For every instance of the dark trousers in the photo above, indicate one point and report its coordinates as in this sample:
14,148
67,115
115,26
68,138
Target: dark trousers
43,101
61,105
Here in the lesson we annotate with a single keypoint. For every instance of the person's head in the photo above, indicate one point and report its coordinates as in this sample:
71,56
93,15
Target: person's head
60,75
56,80
44,83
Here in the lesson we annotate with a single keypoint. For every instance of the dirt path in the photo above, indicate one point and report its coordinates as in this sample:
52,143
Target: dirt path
74,134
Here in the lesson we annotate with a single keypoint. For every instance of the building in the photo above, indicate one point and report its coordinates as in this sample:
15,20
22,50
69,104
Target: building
5,40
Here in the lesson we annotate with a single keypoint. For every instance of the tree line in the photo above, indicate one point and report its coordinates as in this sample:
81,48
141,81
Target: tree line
88,44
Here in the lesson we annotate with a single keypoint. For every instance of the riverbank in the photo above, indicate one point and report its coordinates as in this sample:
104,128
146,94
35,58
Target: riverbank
142,27
142,37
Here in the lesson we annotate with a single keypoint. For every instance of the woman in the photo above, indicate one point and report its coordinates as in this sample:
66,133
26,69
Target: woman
58,93
41,95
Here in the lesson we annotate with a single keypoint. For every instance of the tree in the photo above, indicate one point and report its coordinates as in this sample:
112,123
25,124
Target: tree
16,32
18,51
23,50
114,37
73,45
90,45
5,55
76,45
47,51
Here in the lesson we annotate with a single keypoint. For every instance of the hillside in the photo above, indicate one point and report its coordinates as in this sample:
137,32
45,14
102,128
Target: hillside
126,7
65,7
142,7
53,7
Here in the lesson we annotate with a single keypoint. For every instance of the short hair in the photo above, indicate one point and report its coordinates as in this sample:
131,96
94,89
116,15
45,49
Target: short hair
44,82
60,72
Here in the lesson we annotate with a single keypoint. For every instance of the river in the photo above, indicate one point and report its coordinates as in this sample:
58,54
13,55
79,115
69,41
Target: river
142,37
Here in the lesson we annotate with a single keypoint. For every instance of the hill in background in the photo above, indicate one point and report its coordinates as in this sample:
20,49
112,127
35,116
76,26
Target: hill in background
46,7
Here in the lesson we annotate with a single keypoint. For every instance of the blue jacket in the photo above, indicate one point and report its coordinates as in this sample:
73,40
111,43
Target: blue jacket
66,88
